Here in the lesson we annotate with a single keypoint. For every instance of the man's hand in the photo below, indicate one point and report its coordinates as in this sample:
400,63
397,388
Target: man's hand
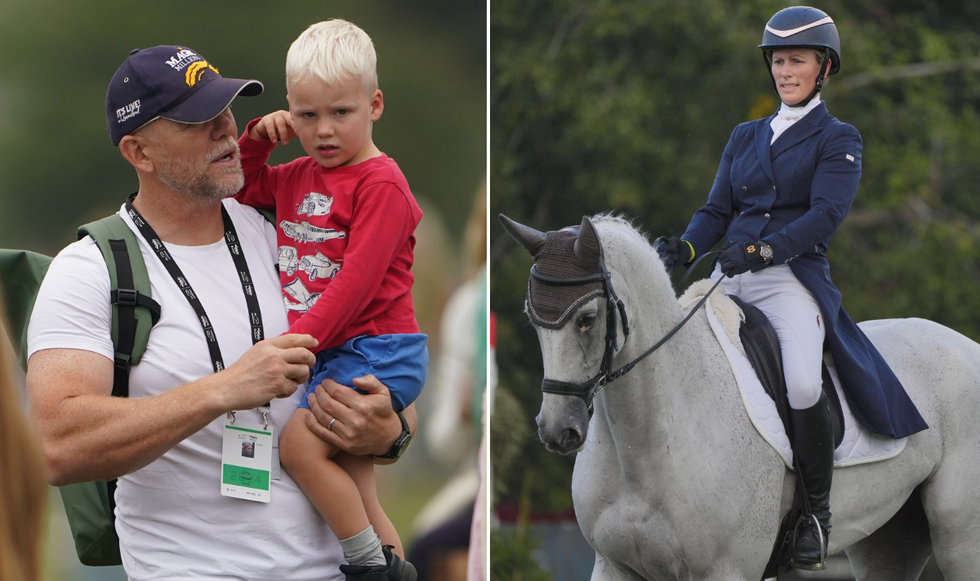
269,369
366,423
275,127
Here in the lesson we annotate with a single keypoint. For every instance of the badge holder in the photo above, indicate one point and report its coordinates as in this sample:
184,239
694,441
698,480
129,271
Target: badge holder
249,458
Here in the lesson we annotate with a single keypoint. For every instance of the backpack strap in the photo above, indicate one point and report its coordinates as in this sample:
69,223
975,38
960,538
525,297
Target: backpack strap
134,312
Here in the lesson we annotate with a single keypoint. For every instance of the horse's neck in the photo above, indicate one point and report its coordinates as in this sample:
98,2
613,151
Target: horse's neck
676,378
683,385
684,378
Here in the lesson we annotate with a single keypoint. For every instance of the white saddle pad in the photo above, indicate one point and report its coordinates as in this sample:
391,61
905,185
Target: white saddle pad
724,316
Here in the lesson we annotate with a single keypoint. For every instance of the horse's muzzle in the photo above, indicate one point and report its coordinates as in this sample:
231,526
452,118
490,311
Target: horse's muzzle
564,430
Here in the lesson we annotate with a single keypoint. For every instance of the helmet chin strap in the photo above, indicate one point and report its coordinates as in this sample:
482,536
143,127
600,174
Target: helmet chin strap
816,88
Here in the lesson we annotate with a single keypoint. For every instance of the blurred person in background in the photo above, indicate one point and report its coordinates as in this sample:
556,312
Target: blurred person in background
453,431
22,488
479,554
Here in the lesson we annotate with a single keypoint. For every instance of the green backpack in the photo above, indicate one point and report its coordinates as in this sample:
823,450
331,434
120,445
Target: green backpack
90,505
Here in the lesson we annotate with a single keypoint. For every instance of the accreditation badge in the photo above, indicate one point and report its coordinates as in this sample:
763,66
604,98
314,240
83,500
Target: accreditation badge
247,460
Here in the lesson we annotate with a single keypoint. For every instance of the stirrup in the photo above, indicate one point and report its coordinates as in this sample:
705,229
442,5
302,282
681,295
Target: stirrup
822,564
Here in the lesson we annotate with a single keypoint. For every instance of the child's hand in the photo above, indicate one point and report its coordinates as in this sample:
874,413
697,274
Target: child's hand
275,127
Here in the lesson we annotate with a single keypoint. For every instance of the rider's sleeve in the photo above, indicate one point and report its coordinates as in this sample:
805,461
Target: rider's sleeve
711,221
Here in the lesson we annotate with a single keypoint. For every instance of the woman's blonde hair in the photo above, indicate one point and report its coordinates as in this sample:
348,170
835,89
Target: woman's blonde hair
23,491
334,51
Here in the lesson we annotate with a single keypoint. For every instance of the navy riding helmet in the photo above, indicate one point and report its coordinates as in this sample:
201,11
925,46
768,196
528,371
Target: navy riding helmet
802,26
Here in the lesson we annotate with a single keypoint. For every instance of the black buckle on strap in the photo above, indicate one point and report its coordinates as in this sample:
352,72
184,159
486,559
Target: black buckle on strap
121,361
126,297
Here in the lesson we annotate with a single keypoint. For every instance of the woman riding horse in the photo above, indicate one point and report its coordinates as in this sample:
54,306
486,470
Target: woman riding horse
783,187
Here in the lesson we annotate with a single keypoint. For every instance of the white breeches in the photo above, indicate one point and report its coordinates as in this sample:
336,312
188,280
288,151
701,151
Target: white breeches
796,317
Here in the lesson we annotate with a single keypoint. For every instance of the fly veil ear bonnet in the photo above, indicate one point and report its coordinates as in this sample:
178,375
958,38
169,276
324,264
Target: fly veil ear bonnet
568,270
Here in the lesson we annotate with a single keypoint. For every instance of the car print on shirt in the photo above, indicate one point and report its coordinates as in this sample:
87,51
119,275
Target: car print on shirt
306,233
288,260
319,266
297,291
315,204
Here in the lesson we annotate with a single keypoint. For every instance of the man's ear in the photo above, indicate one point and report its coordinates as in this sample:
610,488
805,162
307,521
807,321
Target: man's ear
134,149
377,105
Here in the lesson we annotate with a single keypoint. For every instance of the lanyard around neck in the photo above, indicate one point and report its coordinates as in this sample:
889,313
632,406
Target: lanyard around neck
237,255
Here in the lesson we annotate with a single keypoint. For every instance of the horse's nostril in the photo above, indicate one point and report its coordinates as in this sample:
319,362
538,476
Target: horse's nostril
571,438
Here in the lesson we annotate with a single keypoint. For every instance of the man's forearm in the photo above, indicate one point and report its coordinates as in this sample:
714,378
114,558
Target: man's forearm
89,436
86,434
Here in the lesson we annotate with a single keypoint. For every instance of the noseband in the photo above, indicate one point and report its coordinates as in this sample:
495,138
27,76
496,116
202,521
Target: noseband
591,387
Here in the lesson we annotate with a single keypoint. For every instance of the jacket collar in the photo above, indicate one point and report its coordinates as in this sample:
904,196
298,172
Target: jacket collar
800,131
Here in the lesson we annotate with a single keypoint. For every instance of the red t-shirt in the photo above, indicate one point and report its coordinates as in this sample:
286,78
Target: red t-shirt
346,236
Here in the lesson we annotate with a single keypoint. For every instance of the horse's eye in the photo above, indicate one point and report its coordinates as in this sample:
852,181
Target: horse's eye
585,321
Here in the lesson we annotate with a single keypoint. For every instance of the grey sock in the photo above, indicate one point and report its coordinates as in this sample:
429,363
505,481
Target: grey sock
364,548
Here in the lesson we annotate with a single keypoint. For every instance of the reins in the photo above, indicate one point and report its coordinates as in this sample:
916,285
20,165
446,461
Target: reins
590,388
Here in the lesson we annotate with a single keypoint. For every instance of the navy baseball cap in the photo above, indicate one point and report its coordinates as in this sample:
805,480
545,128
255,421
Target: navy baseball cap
169,82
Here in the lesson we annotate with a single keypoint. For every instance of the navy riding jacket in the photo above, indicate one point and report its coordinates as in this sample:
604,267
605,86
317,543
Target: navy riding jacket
793,195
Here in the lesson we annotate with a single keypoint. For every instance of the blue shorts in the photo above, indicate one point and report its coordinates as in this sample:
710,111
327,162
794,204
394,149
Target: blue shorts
399,361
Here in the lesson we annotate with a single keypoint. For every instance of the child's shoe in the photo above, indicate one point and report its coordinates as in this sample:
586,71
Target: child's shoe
394,570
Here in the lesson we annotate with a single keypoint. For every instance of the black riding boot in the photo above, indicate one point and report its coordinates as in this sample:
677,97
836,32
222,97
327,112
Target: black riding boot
394,570
813,444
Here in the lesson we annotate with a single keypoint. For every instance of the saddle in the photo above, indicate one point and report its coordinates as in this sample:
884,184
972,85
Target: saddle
761,347
762,350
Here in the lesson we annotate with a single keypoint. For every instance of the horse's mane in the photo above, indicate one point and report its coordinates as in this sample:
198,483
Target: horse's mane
630,234
619,219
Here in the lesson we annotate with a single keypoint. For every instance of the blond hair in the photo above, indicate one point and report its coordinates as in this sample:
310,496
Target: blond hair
23,491
334,51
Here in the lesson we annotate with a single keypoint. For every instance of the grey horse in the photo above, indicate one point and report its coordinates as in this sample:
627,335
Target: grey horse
673,482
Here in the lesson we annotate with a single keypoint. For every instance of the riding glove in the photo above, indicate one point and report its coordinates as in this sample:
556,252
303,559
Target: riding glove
674,251
739,258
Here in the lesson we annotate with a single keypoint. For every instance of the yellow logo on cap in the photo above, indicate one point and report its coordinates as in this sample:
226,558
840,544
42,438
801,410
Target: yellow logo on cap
196,71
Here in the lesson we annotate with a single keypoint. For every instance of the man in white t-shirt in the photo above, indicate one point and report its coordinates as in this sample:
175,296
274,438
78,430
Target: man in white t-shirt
211,264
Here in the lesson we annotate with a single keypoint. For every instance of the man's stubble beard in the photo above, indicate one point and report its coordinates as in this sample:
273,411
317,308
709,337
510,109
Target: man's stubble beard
182,177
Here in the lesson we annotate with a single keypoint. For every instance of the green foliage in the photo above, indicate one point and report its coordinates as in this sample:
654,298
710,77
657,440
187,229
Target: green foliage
512,557
58,168
626,105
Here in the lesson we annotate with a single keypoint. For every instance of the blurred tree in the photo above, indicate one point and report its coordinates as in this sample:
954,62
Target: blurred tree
58,168
626,106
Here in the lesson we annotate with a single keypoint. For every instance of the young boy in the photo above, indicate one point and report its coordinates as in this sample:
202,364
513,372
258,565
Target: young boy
346,220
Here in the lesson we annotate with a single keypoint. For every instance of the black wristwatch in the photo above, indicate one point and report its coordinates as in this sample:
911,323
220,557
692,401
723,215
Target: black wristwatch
401,442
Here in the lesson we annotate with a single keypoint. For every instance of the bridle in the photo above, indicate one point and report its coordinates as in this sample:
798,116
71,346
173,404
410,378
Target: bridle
590,388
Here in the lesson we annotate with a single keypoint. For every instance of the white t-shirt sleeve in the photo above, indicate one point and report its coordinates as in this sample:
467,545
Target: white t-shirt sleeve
72,310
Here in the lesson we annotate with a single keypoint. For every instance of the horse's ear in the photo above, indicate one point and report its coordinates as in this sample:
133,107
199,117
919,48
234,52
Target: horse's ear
587,246
528,237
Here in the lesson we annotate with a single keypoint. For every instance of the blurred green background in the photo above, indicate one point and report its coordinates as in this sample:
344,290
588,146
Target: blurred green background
58,168
627,105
